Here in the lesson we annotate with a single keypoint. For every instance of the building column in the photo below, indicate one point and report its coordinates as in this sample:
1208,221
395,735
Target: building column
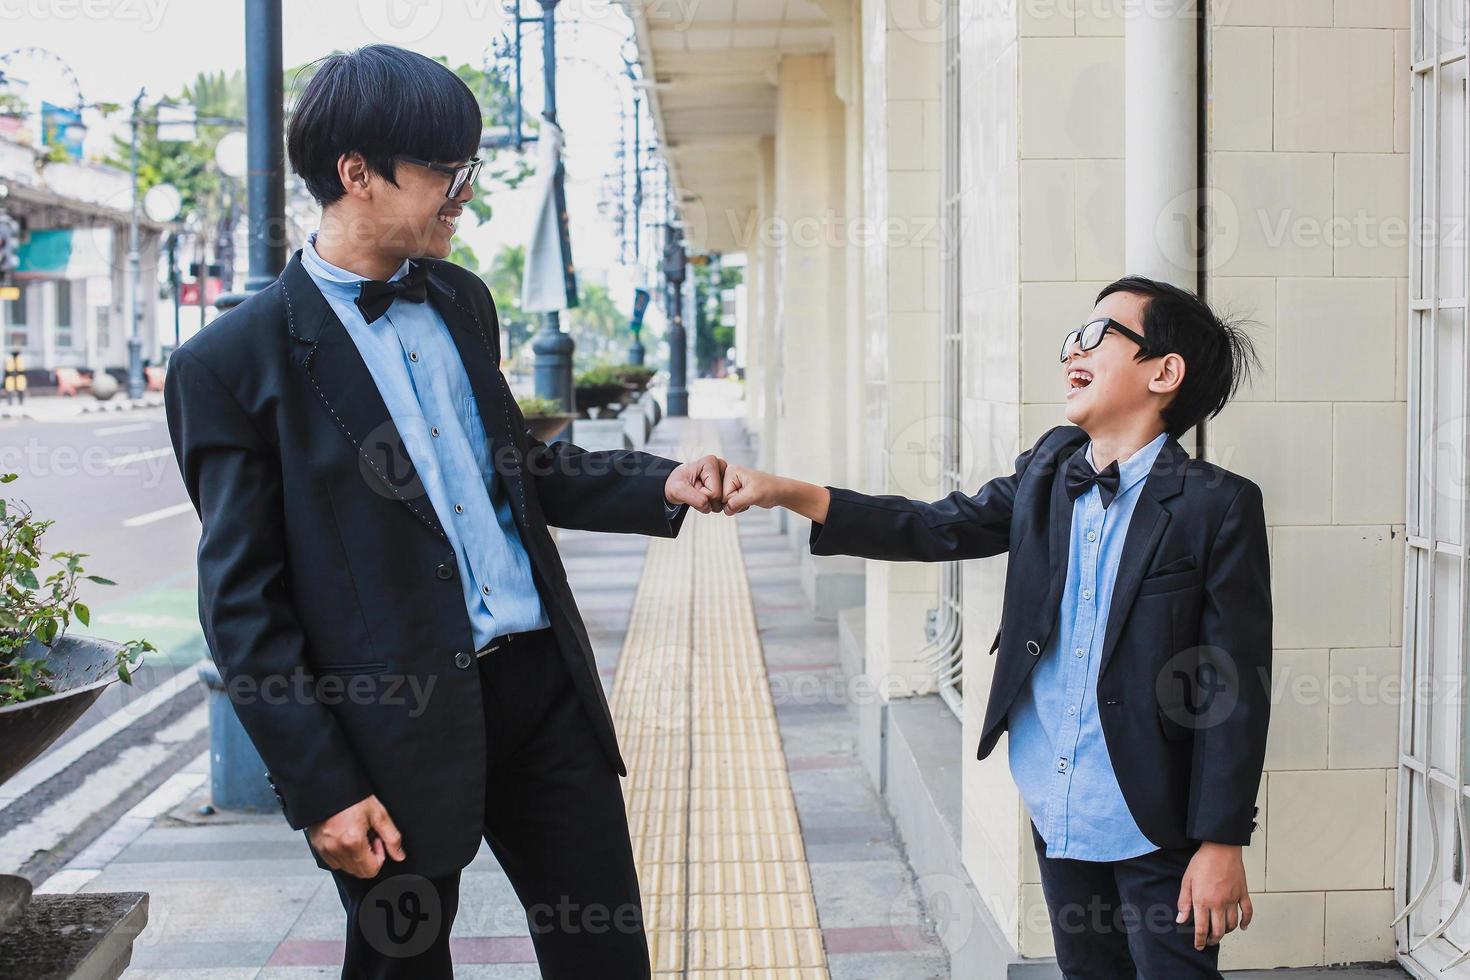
1161,159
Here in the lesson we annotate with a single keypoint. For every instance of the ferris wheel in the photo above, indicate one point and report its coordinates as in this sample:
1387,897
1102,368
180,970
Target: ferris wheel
42,62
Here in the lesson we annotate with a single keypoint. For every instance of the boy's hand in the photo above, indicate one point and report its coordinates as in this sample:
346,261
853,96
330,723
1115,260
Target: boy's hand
746,488
1214,892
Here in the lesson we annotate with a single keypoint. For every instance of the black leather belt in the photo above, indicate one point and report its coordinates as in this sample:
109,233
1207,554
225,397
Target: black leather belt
513,639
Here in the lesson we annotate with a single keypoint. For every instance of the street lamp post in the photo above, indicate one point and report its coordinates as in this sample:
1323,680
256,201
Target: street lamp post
674,268
552,346
135,269
265,148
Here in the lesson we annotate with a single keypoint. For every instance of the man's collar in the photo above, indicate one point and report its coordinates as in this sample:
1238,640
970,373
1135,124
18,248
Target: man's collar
320,268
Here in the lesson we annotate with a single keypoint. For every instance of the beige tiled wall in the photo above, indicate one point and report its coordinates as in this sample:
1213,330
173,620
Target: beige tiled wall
1309,167
899,239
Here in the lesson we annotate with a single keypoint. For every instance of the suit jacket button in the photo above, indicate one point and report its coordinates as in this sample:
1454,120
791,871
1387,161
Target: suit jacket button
445,571
461,660
1033,648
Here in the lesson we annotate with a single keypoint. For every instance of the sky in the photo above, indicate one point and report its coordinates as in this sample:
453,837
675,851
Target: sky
114,47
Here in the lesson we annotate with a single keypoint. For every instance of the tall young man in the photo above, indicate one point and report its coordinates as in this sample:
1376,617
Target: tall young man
375,544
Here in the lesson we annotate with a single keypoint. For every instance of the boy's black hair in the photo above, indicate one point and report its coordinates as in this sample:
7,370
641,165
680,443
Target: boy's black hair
1217,353
379,101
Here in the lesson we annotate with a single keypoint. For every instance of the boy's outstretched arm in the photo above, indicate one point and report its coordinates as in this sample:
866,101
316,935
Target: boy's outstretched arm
887,527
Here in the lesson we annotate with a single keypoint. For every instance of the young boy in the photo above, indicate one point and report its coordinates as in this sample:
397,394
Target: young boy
1135,641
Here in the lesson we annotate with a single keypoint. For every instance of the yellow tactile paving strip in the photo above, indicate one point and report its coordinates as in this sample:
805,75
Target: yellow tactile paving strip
726,890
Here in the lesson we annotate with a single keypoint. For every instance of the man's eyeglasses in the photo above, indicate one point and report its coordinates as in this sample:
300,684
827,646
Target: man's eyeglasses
1092,332
458,176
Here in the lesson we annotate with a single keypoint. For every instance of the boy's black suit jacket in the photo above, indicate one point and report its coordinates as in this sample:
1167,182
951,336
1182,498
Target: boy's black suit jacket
1183,685
321,554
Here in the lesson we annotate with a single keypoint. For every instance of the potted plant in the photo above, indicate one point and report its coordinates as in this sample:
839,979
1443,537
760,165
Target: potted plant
544,416
47,678
636,376
599,388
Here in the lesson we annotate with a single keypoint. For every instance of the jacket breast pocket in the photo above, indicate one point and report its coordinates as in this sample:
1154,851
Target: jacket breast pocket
1180,573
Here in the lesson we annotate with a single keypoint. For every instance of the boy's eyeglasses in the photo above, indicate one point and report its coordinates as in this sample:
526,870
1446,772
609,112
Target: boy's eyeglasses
458,176
1092,332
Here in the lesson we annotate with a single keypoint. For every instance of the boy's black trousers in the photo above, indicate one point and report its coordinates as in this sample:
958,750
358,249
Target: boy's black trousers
554,819
1112,920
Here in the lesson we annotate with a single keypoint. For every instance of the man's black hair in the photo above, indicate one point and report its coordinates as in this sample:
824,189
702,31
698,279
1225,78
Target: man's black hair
1218,355
379,101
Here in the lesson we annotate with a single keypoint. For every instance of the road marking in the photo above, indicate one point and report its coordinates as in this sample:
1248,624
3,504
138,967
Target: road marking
53,824
112,430
139,457
128,828
91,738
162,513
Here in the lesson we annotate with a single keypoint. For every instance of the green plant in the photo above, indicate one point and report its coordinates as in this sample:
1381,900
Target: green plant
539,407
600,374
636,374
40,609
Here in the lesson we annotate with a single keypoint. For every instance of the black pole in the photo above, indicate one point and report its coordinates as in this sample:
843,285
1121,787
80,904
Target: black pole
674,272
265,148
553,348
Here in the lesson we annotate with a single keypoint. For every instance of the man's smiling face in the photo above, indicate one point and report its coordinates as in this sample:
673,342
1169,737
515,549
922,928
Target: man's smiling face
419,220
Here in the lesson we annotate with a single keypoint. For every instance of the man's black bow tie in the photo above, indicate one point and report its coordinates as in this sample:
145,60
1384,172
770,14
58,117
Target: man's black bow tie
375,296
1081,475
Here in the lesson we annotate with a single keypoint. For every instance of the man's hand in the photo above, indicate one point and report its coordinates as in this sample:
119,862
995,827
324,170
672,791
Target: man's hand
358,840
698,483
1214,892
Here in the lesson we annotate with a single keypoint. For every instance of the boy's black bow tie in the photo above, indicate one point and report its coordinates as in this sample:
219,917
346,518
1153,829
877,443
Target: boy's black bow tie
375,296
1080,475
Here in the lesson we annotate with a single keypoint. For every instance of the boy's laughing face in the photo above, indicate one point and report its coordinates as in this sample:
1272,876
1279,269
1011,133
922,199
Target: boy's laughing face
1106,385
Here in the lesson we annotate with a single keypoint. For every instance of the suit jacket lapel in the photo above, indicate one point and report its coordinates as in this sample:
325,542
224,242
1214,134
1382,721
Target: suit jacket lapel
1145,530
341,379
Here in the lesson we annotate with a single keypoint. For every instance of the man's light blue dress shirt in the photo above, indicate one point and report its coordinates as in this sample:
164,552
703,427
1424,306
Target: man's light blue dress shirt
416,366
1058,755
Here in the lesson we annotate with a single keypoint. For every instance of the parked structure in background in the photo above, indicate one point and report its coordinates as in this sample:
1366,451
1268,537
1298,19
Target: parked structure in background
927,203
71,265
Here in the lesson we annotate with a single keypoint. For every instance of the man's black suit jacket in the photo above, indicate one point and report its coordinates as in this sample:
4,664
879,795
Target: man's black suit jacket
1183,687
321,556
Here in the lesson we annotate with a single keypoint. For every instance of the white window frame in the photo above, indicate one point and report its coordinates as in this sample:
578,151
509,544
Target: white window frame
945,652
1431,881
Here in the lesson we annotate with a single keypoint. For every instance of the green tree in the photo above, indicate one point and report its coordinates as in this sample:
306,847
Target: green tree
599,328
712,338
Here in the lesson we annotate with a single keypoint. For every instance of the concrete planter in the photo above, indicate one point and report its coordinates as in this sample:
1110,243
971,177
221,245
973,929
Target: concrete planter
74,936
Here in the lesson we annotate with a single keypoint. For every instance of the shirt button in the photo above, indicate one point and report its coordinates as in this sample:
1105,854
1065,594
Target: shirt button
1092,535
485,589
1061,765
461,660
434,432
413,355
1071,709
459,508
1079,651
1087,593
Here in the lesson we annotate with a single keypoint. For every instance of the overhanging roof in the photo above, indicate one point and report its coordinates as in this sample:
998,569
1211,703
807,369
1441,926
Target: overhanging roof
710,77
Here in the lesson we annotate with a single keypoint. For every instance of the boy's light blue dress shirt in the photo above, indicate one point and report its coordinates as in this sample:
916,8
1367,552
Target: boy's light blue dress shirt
416,366
1058,755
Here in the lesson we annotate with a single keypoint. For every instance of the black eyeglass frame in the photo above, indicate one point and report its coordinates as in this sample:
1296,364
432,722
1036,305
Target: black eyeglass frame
1075,336
458,176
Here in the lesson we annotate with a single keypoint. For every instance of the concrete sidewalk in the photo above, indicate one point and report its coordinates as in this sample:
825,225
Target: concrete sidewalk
239,897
